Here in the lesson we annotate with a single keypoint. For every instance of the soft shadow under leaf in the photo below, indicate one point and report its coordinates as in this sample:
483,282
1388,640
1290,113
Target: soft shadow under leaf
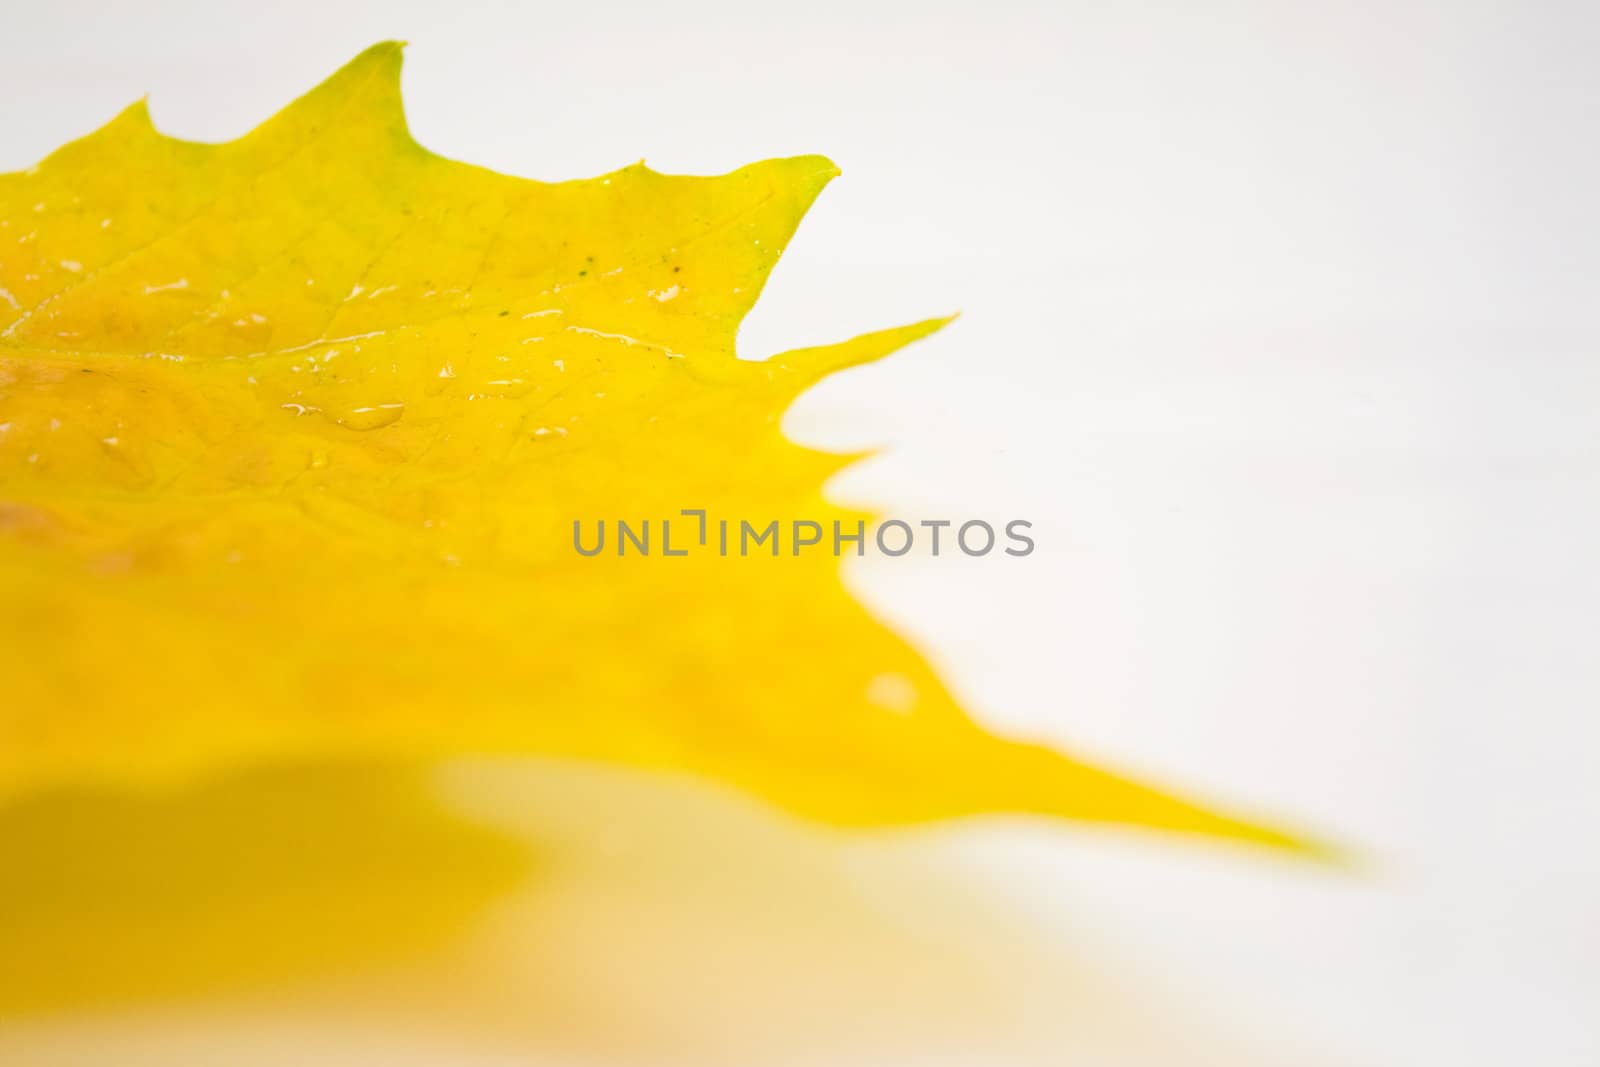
270,878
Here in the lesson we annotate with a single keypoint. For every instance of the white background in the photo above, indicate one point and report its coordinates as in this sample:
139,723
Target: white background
1279,323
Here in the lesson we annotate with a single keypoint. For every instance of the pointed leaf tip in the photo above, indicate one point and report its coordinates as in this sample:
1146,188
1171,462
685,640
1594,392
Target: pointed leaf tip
365,92
812,364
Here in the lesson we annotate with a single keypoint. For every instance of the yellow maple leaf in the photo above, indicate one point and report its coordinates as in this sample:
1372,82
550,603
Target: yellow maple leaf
296,429
293,433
